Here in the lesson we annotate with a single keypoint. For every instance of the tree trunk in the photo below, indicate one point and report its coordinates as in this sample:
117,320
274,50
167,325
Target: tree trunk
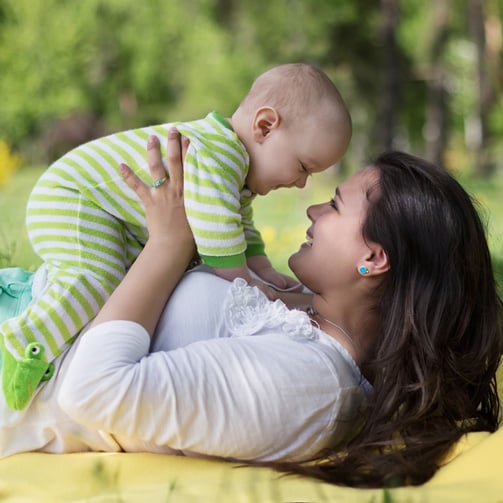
487,55
385,126
436,130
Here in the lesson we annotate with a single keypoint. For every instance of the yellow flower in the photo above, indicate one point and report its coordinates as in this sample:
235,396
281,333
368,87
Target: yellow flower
268,234
9,162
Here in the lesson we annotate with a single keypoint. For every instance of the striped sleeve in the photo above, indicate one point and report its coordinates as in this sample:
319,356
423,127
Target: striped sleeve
214,174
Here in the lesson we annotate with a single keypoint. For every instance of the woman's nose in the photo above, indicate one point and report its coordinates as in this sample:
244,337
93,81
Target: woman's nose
314,211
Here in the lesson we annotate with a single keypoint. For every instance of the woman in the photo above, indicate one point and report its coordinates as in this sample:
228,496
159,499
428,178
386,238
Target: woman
404,298
436,323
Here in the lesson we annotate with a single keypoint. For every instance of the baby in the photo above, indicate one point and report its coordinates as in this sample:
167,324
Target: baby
88,226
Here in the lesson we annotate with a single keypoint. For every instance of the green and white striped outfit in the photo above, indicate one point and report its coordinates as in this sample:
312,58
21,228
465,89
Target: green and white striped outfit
88,226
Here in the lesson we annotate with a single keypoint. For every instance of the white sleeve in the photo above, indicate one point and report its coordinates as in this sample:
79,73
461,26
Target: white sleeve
256,397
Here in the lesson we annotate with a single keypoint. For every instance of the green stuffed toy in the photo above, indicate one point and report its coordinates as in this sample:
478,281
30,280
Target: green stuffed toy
21,377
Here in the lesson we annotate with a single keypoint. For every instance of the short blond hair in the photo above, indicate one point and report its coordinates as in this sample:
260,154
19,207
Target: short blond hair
296,89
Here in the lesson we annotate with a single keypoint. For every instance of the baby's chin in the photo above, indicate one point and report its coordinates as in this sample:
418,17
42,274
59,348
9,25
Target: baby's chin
263,192
260,191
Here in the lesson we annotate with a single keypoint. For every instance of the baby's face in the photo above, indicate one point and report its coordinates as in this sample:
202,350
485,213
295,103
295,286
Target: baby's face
287,157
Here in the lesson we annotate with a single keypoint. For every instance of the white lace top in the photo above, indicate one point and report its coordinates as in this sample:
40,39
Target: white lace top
248,311
230,374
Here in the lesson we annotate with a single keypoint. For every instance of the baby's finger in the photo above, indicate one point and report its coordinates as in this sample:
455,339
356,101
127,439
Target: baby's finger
134,182
154,160
175,160
292,284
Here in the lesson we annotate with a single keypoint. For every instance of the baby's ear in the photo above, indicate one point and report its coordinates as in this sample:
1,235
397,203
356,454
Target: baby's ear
265,120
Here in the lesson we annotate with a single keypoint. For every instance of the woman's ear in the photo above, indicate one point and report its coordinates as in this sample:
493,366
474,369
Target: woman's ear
264,121
375,262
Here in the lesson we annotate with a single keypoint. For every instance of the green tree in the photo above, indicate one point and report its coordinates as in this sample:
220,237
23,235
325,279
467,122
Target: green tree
407,68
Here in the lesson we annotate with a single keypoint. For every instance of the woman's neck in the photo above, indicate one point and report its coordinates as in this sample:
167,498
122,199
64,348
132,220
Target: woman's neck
355,329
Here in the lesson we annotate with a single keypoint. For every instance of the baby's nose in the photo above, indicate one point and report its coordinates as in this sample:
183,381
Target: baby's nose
301,182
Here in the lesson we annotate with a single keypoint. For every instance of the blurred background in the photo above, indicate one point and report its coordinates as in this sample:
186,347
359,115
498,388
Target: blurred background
424,76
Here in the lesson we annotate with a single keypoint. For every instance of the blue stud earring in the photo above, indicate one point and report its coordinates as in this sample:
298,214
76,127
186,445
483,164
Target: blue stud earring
363,270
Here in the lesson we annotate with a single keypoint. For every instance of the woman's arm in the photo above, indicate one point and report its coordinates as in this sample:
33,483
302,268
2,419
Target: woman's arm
248,398
142,294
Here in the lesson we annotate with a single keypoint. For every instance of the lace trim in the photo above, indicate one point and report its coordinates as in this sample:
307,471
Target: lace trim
248,311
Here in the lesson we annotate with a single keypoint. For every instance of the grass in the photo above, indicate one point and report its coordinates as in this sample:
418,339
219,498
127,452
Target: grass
15,249
281,216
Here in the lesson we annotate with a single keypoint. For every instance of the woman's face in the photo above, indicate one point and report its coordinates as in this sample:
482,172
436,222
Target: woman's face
335,247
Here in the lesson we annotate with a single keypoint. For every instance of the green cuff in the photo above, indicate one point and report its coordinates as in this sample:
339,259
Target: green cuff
228,261
255,249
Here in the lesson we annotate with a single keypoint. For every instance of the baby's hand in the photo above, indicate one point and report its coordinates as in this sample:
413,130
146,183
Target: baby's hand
231,273
279,281
269,292
263,268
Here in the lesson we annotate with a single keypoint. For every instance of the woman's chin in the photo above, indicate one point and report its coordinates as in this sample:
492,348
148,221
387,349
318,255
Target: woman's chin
303,247
292,261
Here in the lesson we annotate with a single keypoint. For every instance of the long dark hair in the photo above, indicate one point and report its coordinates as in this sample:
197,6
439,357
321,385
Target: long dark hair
435,360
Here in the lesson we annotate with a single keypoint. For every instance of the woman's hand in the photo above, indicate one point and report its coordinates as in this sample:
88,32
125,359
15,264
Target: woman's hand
144,291
163,199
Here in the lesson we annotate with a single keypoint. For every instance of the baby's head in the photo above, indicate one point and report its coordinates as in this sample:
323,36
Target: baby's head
293,122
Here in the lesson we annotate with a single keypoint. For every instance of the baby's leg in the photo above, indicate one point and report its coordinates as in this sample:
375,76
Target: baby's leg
84,248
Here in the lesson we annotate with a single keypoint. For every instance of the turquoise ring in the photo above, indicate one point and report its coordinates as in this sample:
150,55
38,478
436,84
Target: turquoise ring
159,182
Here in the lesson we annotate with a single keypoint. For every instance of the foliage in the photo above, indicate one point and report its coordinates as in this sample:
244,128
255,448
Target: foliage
132,63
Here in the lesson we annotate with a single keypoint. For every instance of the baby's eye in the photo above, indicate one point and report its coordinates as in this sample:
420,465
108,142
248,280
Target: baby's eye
304,169
333,204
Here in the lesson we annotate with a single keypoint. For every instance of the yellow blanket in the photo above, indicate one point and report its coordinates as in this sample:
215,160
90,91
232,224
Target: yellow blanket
475,474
